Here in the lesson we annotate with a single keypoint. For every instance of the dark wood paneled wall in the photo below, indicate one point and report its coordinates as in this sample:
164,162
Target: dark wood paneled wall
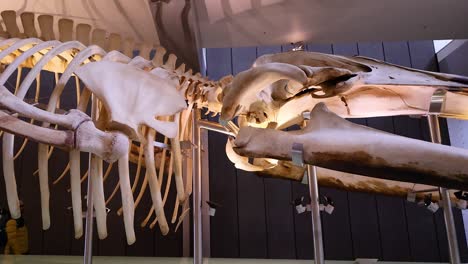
257,219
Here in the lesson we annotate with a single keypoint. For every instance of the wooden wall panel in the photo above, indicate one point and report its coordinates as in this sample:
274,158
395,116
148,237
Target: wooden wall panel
30,195
345,49
363,206
3,197
279,209
371,49
391,213
303,226
364,225
59,198
115,243
279,217
338,243
144,245
421,222
251,194
77,245
224,229
302,222
171,244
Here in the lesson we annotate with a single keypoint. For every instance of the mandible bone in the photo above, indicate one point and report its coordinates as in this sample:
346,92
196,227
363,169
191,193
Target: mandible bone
334,143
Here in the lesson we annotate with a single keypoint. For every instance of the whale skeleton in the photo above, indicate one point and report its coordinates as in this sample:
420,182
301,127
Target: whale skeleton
137,97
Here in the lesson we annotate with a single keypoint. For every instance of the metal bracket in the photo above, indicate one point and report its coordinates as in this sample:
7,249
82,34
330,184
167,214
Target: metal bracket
230,126
305,179
297,154
187,144
411,195
425,190
435,108
298,46
161,145
223,122
437,102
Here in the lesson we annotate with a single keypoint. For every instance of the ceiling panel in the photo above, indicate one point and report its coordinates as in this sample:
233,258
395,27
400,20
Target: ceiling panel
232,23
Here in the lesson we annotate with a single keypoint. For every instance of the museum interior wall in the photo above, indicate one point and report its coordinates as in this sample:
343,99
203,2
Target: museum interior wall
256,217
453,61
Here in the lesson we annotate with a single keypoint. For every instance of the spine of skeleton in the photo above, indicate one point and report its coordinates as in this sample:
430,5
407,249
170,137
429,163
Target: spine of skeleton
65,55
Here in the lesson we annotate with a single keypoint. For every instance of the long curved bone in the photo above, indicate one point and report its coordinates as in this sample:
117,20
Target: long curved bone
75,185
247,85
332,142
85,138
154,183
127,199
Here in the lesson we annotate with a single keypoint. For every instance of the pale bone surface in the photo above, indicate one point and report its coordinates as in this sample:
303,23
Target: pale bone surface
274,93
279,88
144,100
363,151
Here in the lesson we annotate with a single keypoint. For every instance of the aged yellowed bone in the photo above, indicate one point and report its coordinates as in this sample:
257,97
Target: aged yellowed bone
273,93
100,90
66,58
363,151
280,87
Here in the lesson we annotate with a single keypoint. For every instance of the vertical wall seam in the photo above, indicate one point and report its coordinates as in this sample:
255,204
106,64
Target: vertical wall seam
237,183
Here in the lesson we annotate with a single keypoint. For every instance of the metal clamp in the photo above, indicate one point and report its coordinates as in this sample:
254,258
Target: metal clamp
187,145
305,179
435,108
297,154
437,102
230,126
161,145
298,46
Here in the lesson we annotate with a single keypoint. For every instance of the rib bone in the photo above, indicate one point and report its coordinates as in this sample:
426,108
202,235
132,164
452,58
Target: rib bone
153,182
128,204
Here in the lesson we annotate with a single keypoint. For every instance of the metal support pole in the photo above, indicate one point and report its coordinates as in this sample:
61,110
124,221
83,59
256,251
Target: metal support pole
88,246
434,128
216,127
319,257
197,191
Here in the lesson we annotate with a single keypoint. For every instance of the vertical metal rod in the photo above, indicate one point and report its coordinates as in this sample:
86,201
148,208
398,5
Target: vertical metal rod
186,230
319,257
88,246
197,192
434,128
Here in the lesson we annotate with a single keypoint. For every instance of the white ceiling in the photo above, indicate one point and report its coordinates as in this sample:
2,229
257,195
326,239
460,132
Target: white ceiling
231,23
129,18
